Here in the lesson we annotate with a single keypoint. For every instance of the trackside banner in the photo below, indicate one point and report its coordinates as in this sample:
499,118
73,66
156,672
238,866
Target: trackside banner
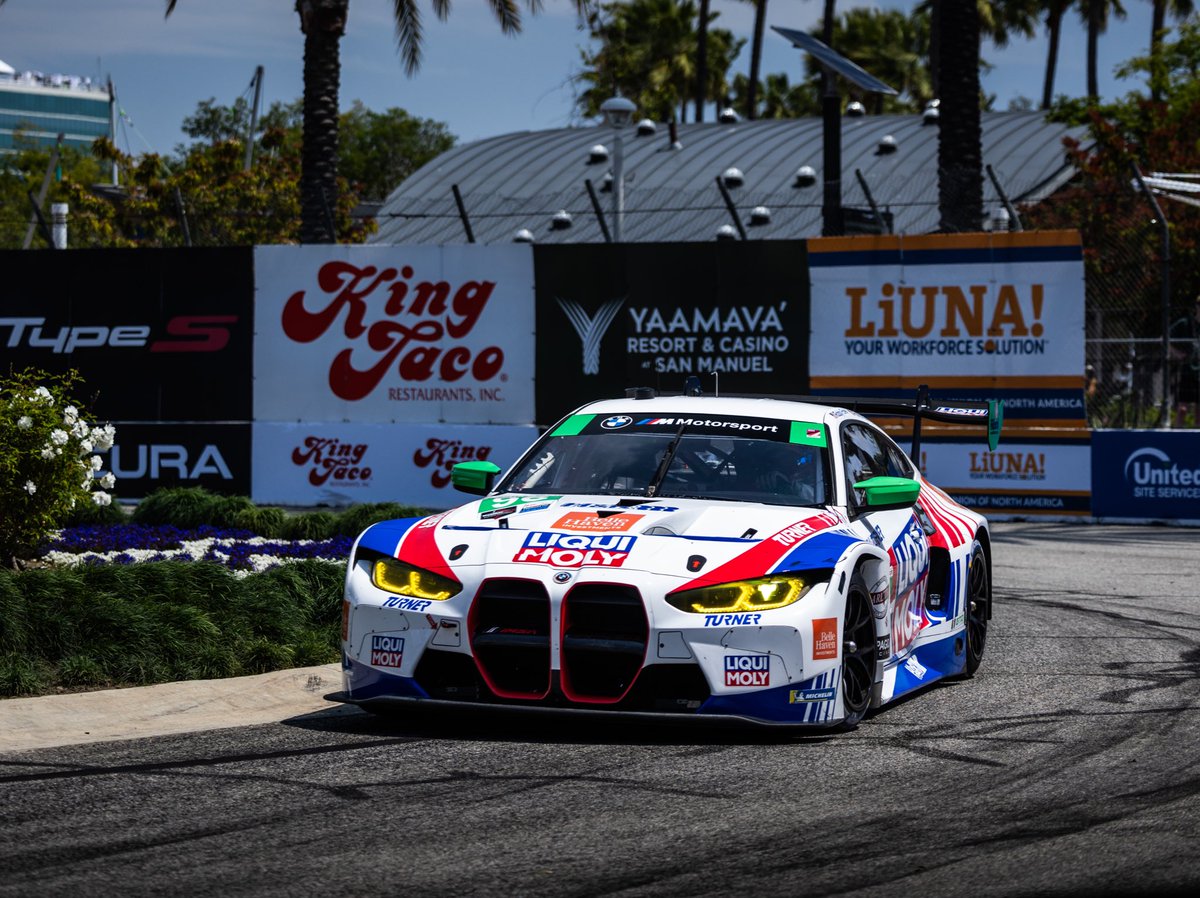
404,333
997,315
1146,474
155,334
342,464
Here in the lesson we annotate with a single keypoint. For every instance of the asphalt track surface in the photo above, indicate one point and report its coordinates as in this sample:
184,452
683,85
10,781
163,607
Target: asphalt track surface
1069,766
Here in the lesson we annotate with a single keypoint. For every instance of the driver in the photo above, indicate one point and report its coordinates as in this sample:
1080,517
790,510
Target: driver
782,469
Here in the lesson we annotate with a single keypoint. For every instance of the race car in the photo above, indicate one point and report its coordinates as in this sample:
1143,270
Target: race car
753,559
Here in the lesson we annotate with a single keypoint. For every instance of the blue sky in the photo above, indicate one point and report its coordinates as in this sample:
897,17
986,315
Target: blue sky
474,79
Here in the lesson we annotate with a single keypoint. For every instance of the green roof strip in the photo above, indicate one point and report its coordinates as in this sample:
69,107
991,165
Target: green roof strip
572,426
808,433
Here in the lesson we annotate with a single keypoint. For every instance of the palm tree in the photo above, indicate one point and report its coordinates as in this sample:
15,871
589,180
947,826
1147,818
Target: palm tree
323,23
891,46
760,19
960,153
1179,9
1054,15
702,61
1096,14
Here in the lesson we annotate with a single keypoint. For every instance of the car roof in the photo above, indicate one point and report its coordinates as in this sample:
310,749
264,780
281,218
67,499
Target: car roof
785,409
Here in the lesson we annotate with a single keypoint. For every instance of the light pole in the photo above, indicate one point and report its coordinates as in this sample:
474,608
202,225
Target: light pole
618,112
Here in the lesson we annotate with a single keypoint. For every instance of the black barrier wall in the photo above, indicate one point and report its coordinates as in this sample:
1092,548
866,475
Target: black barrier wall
158,335
615,316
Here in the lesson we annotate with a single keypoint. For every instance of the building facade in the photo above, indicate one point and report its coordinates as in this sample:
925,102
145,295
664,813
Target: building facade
35,108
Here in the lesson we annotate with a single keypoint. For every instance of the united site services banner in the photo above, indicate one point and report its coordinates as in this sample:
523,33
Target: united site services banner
403,333
973,316
343,464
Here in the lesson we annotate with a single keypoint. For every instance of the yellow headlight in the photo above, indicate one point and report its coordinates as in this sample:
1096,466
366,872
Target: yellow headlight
762,594
406,580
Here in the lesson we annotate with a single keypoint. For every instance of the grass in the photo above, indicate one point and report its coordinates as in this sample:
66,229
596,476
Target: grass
135,624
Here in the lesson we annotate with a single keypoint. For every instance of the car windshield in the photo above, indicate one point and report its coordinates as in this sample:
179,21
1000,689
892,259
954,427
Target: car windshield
703,466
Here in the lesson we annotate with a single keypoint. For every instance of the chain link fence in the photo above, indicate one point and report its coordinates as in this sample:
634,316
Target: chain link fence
1127,381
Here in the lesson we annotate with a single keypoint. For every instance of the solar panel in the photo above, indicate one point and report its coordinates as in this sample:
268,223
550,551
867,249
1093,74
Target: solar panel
830,58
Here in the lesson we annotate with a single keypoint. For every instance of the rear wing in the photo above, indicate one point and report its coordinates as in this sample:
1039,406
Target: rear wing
989,414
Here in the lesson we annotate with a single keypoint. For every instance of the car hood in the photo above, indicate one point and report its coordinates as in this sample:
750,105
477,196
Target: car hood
701,541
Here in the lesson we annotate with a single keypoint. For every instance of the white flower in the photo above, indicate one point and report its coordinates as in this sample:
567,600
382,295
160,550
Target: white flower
108,481
42,393
81,430
97,463
101,498
24,422
58,437
70,415
85,446
103,437
48,452
30,487
58,452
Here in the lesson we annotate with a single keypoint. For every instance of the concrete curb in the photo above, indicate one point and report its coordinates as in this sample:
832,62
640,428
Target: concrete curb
54,720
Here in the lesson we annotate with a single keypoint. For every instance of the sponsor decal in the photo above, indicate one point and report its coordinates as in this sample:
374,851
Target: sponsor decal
910,558
883,647
328,458
973,412
404,603
574,550
1151,474
915,667
959,621
907,619
153,460
625,507
792,534
393,321
720,424
732,620
824,643
797,696
525,508
839,413
512,502
592,523
591,329
387,651
702,341
194,333
442,455
747,670
615,422
498,513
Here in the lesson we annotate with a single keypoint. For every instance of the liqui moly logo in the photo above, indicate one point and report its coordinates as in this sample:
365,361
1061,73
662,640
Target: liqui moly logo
393,322
328,458
910,558
575,550
747,670
387,651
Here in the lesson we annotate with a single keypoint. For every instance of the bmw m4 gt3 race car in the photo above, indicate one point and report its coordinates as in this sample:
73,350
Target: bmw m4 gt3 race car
780,562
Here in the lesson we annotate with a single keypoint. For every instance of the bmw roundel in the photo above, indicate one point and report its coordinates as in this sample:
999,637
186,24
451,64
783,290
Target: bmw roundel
616,421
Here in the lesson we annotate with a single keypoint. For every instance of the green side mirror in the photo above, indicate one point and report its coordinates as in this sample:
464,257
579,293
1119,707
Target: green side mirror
474,476
889,492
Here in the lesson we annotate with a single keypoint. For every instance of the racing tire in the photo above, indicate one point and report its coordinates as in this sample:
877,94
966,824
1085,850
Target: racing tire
858,653
976,609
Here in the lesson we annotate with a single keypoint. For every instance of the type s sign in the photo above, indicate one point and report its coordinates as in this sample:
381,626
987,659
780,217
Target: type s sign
374,334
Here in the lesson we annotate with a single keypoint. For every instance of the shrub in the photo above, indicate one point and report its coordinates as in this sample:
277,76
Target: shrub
47,465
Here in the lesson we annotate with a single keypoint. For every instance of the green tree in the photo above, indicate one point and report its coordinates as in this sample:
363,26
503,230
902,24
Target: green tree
380,149
1179,9
1096,14
323,23
648,53
23,173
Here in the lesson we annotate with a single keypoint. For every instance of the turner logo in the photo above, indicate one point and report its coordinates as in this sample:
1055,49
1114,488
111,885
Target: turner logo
591,329
570,550
1152,475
